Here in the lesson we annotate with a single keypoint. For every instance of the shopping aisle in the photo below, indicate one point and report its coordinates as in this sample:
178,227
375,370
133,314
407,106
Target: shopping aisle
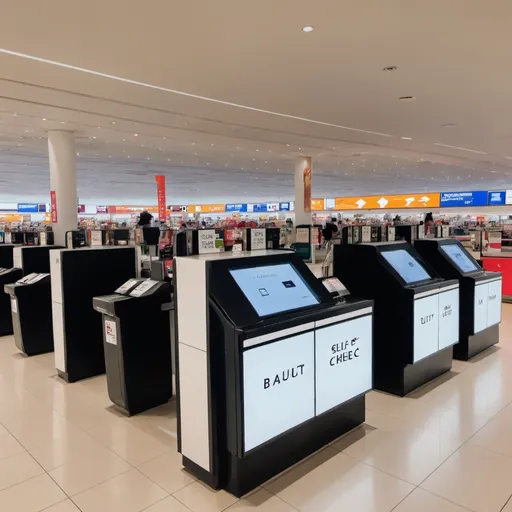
447,448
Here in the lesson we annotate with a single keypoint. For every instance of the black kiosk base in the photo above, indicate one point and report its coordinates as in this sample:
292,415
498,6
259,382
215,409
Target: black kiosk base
7,276
416,312
480,294
137,344
31,306
271,370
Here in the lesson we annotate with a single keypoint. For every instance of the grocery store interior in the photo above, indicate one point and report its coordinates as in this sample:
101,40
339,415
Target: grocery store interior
255,256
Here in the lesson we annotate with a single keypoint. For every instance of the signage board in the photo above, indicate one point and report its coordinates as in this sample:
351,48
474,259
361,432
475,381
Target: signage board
343,355
387,202
330,204
176,208
257,207
284,207
278,378
207,238
497,198
258,238
448,318
302,235
28,208
236,207
426,327
161,197
206,208
53,202
101,209
469,198
508,196
96,238
317,205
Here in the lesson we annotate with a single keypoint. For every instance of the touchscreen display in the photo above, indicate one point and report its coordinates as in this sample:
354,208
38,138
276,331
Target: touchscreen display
409,269
274,288
460,258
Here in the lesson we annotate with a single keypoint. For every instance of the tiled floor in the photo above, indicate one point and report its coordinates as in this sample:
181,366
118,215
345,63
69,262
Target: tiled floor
445,448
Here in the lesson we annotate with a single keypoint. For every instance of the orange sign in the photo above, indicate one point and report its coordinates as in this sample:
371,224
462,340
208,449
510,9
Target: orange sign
388,202
307,189
317,205
132,209
206,208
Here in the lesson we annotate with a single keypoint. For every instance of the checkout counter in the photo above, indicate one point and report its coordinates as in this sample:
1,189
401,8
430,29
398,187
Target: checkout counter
77,276
137,344
480,294
270,366
416,312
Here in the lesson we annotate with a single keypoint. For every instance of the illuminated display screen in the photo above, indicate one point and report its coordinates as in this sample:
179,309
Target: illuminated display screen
408,268
459,258
273,289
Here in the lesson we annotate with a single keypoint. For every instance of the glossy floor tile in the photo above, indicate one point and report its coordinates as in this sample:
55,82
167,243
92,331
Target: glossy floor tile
446,447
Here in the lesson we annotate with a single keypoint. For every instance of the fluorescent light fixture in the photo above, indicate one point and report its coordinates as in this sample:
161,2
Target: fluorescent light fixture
407,138
182,93
460,149
308,28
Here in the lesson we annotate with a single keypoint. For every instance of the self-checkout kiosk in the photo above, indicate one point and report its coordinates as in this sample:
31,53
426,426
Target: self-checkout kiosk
24,261
77,276
480,294
31,310
416,312
270,366
137,344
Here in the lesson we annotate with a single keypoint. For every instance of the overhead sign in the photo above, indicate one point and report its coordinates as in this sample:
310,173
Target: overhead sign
470,198
174,208
497,198
508,197
207,208
317,205
284,207
102,209
161,197
387,202
240,207
28,208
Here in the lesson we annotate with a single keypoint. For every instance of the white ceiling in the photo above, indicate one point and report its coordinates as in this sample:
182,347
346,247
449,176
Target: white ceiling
223,96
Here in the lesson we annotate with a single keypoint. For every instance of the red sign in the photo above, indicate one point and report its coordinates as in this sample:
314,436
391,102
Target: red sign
102,209
162,209
53,201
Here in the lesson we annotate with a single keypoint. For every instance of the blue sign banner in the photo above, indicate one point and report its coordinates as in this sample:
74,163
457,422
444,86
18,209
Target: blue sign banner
497,198
28,208
257,207
474,198
284,207
230,208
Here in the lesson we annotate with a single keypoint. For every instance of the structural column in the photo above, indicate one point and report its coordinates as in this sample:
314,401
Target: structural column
303,176
62,153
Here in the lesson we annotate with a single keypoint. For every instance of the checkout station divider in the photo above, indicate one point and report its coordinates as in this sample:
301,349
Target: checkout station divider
416,312
77,276
270,366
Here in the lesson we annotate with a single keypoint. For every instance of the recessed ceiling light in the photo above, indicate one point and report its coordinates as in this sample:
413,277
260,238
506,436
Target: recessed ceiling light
94,138
63,122
44,118
135,134
112,122
307,28
406,138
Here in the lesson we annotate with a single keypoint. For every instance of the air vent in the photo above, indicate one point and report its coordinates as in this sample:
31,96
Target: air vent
389,68
406,98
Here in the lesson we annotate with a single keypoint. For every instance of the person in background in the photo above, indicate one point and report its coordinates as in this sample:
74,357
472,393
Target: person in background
145,219
329,230
429,222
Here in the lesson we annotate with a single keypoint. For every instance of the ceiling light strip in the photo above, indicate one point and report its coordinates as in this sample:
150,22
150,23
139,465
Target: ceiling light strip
181,93
460,149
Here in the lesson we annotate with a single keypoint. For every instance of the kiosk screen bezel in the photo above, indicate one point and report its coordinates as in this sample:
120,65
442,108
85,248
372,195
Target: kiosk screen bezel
413,255
442,249
229,296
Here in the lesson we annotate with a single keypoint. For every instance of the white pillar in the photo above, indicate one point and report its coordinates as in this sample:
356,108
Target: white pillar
62,152
302,215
